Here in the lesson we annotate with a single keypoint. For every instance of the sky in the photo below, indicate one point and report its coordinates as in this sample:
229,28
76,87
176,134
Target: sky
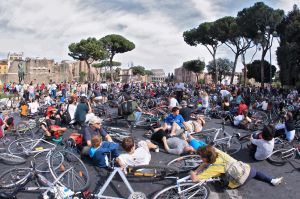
42,28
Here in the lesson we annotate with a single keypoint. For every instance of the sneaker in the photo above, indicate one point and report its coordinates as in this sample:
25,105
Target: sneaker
157,150
276,181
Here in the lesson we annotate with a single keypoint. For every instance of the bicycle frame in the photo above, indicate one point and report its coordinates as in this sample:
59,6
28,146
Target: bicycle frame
188,179
35,142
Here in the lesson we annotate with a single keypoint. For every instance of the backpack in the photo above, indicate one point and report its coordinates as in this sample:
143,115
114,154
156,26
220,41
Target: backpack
234,171
66,117
127,108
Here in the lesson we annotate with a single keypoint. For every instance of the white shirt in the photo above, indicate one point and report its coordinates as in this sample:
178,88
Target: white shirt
173,102
141,156
33,107
264,105
224,93
104,86
71,110
264,148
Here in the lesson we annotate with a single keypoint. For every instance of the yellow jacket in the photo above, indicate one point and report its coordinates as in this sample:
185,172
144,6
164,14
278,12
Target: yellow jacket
218,168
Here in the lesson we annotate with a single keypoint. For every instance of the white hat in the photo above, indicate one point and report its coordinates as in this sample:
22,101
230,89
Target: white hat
95,120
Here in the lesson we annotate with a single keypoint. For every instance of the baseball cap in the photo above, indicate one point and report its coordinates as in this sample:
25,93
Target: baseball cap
95,120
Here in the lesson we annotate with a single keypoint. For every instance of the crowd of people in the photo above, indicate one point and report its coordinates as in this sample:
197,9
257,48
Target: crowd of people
71,104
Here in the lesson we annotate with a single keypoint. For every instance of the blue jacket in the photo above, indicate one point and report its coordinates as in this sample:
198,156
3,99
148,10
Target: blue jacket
99,156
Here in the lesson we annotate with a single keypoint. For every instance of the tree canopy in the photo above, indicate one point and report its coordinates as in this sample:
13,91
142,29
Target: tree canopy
196,66
116,44
224,68
88,50
258,23
253,71
140,70
288,53
207,35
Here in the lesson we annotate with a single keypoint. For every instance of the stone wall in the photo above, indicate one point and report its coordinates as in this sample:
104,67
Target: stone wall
45,70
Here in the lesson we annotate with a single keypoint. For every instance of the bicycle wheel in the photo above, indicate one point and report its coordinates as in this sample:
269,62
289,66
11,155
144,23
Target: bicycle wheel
12,159
74,173
155,171
234,146
19,146
14,177
41,161
261,116
186,163
281,156
197,192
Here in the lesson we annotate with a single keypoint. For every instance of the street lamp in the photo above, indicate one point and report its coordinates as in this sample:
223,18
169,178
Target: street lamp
268,33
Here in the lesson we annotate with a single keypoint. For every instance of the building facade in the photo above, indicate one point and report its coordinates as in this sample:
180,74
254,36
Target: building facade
158,75
3,67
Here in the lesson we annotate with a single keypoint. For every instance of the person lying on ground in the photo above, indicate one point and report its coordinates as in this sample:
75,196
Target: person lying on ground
135,155
217,163
177,146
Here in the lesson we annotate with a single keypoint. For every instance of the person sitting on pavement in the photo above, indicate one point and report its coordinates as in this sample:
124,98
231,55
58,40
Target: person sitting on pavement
288,127
83,108
185,111
226,104
243,120
242,107
173,102
50,127
23,109
93,129
101,149
174,123
217,163
33,106
262,144
135,156
131,109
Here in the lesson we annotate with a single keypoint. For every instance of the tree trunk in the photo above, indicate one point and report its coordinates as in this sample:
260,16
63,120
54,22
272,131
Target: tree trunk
89,76
234,67
197,78
262,71
110,67
216,68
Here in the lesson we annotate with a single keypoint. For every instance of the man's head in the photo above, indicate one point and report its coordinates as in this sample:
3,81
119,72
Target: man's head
175,110
95,122
189,149
128,144
183,103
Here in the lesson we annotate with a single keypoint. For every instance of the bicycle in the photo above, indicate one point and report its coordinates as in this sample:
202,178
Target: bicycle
221,139
185,188
186,163
66,176
280,156
10,159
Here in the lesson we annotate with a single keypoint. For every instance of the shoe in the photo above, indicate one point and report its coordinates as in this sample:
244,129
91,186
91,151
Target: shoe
157,150
276,181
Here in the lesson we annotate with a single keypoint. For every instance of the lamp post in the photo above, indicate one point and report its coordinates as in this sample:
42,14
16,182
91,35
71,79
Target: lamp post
268,33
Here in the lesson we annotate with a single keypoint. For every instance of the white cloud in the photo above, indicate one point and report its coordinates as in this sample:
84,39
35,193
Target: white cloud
46,28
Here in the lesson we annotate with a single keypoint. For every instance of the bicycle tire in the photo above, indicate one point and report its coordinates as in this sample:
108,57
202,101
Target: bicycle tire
154,171
14,177
77,172
281,156
172,192
12,159
15,147
186,163
234,147
41,162
262,116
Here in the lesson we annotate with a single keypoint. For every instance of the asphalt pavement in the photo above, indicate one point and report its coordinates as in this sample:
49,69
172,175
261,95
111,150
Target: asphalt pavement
252,189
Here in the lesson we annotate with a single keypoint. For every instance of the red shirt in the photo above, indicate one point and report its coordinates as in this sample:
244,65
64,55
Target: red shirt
241,108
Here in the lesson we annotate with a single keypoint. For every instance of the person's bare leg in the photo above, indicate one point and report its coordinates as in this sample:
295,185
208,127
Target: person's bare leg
151,145
173,129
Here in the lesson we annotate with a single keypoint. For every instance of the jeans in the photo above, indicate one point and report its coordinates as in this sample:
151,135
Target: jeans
137,116
259,176
289,134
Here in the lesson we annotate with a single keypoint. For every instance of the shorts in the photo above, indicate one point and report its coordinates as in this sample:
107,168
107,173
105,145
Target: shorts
170,127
